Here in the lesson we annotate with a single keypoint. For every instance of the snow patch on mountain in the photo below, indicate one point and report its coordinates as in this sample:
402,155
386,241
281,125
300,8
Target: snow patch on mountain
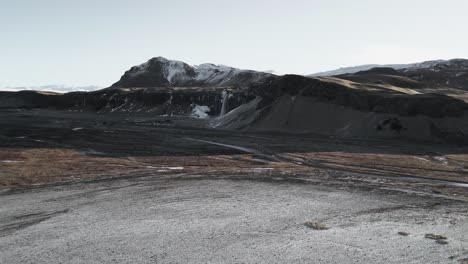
214,73
200,111
174,69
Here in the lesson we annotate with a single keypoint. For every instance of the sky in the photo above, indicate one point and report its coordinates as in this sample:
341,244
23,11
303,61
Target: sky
93,42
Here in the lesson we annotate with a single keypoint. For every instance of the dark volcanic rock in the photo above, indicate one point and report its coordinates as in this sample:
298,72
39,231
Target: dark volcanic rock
163,101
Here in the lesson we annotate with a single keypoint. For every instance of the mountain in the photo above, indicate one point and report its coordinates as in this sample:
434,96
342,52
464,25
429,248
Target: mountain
441,77
161,72
413,66
424,101
355,69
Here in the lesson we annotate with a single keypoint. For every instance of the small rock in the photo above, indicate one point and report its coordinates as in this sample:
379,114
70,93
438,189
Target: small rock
463,261
435,237
316,225
442,242
403,233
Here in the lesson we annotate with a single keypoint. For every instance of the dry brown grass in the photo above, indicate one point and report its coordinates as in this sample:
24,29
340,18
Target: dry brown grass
316,225
45,165
37,166
453,167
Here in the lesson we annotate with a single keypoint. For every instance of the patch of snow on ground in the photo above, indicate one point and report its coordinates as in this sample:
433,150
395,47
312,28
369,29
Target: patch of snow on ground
441,159
423,159
174,168
200,111
167,169
260,169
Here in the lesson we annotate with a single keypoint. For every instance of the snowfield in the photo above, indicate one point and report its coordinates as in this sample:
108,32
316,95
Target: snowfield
200,111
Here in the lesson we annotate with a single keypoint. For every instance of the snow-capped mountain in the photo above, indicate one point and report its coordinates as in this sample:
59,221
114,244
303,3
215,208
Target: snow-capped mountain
161,72
434,64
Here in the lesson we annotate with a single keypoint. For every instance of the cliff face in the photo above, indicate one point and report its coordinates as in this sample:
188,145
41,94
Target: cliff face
163,101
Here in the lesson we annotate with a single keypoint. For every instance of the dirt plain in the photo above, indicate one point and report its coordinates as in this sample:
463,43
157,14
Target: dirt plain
105,188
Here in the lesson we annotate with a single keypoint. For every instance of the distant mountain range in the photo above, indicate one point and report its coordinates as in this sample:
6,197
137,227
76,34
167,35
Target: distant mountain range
54,88
412,66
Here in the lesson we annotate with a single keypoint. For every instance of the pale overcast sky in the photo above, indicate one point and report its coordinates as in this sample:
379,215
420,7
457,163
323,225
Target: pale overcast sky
92,42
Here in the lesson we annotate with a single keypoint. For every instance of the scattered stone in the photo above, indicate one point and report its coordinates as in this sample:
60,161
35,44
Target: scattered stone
435,237
442,242
403,233
316,225
439,239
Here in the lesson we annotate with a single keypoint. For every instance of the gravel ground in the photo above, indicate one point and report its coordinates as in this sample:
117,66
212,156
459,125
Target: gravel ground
166,220
87,188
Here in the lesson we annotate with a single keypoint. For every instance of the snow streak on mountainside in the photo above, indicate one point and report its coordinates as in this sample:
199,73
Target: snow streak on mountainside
413,66
161,72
